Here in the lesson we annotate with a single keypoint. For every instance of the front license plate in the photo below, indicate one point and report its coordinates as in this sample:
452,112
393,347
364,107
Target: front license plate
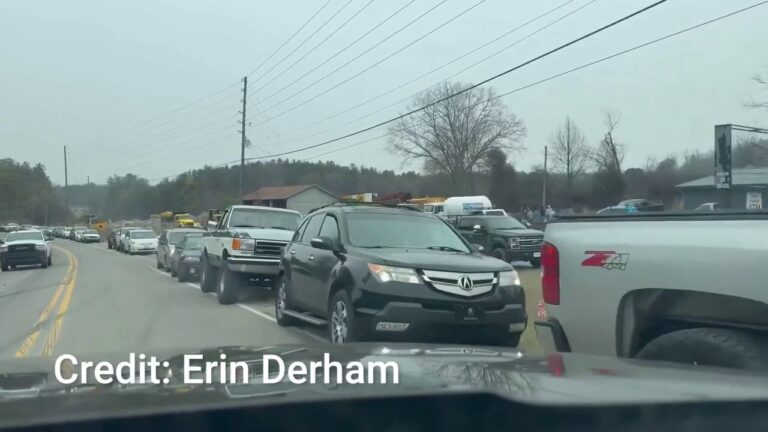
537,254
469,313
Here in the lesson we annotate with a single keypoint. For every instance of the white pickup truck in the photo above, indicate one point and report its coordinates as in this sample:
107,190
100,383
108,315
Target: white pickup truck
683,287
246,244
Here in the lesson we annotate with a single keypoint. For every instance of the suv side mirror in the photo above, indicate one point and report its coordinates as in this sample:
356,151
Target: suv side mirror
323,243
477,247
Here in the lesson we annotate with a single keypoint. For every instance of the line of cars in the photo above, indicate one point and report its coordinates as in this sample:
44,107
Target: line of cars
364,271
77,233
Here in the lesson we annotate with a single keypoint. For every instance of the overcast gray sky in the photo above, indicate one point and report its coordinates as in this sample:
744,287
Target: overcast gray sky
120,83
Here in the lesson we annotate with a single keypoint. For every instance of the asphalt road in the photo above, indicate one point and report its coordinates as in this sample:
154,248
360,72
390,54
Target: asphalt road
95,300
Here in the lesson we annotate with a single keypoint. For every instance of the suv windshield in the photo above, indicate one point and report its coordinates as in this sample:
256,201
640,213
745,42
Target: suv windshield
142,235
505,222
254,218
16,236
402,231
90,232
194,242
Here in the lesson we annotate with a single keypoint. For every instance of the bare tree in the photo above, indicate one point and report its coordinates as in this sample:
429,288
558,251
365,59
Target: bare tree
609,154
454,135
570,154
608,182
761,81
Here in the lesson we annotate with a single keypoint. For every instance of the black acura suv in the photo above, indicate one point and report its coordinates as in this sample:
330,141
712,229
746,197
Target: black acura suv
370,272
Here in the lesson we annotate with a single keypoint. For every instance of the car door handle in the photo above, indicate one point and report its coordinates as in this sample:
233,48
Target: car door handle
311,257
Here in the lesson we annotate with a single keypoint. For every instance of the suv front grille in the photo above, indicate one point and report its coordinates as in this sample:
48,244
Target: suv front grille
530,242
269,248
456,283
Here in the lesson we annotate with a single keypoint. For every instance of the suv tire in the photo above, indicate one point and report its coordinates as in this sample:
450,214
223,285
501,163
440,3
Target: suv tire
281,303
50,259
209,276
500,253
342,327
228,286
708,347
44,263
535,263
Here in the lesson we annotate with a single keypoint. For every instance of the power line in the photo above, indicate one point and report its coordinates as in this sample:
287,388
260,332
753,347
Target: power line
181,108
483,82
337,53
586,65
552,77
304,41
391,35
438,68
289,39
311,50
465,11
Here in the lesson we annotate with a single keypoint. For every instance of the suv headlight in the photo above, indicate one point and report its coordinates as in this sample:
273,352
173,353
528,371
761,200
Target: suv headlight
3,248
40,247
509,278
384,273
513,242
243,244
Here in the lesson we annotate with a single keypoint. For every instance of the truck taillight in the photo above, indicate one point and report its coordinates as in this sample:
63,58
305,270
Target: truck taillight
550,274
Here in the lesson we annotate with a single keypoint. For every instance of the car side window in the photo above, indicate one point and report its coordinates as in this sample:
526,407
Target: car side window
466,224
313,228
224,220
330,228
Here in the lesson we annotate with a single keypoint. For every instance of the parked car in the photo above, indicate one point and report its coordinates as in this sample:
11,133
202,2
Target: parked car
246,244
139,241
74,233
685,287
120,239
710,206
503,237
368,271
25,248
90,236
185,261
168,241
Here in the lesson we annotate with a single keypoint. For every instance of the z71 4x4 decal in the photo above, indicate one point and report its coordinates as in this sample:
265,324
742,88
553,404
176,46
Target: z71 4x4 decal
609,260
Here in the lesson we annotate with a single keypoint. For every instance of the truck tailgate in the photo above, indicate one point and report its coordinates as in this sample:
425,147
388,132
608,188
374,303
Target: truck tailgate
602,261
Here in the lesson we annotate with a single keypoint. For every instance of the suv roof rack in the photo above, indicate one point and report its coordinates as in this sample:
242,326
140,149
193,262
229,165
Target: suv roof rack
365,204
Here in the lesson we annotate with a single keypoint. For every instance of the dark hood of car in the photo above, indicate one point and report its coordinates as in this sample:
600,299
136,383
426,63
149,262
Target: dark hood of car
523,232
30,393
436,260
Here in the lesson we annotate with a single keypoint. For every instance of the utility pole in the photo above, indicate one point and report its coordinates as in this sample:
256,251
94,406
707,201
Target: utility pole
242,139
66,181
544,183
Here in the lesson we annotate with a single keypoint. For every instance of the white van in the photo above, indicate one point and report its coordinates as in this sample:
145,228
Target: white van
454,207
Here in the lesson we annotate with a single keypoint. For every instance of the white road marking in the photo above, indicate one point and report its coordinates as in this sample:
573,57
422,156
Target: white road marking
259,313
159,271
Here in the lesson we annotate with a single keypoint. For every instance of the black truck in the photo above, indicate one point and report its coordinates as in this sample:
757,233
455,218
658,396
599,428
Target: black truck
503,237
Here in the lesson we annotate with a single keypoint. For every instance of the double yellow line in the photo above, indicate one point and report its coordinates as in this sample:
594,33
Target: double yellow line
63,293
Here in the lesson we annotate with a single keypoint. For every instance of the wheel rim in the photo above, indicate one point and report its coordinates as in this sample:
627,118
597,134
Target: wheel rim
281,299
339,323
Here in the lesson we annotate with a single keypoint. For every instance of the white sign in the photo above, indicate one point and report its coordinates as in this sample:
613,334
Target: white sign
754,200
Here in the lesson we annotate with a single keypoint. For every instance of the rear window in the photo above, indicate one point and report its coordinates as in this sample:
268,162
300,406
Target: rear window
142,235
176,237
17,236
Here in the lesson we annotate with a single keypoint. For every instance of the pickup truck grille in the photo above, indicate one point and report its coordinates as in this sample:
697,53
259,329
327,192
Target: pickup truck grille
21,249
269,248
530,242
449,282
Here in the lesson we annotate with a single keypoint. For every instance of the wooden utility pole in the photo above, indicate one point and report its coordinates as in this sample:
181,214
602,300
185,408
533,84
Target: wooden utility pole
243,140
544,183
66,180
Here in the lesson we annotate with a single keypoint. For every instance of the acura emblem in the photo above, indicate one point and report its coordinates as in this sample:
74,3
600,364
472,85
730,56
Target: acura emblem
465,283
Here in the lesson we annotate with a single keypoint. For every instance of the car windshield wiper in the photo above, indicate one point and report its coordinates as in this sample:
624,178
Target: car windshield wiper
444,248
245,226
283,228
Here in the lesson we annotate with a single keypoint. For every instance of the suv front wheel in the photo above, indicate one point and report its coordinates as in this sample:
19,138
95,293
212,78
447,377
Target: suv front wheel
229,285
342,327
